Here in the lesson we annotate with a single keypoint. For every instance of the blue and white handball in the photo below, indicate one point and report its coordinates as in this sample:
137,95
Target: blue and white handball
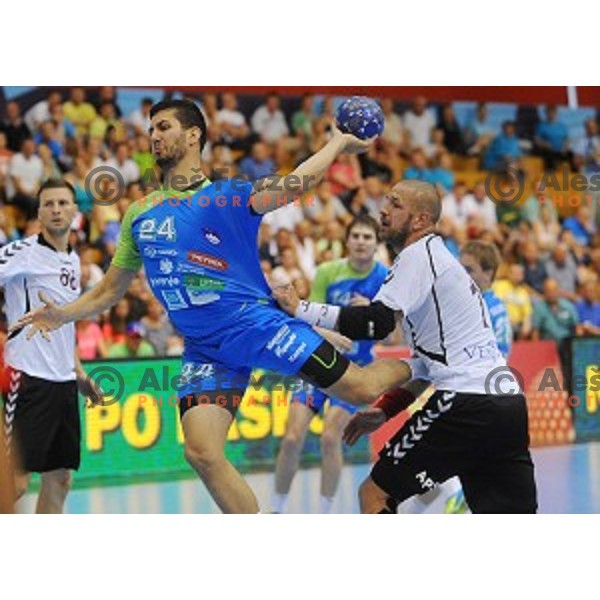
362,117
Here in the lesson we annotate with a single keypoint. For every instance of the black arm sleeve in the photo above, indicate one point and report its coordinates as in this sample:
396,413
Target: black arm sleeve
374,322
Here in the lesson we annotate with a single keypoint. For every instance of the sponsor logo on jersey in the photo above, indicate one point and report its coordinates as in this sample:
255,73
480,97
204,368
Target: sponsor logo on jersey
166,266
152,252
208,260
174,299
212,236
187,268
165,281
202,283
198,298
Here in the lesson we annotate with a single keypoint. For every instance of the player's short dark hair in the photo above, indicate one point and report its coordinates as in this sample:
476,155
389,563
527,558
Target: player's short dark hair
486,254
187,113
366,221
56,184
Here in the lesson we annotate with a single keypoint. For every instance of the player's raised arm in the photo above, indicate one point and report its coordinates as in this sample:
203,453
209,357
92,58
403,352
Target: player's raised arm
274,193
108,292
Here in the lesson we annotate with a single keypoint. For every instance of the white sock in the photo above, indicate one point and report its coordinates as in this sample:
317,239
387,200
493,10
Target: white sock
280,502
325,505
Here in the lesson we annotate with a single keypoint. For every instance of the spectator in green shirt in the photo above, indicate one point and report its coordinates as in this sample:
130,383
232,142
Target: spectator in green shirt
134,345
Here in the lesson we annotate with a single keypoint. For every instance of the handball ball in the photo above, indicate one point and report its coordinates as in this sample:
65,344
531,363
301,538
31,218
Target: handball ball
362,117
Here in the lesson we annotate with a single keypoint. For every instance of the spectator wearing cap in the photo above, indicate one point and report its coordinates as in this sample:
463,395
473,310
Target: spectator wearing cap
134,345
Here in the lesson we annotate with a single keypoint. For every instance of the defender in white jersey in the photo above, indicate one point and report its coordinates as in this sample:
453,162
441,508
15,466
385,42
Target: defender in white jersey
462,429
41,415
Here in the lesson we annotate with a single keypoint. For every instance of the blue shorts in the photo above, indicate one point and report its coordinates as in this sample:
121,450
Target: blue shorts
224,361
315,400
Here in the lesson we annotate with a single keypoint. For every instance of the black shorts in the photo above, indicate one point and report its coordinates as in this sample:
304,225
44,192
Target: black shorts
41,422
484,440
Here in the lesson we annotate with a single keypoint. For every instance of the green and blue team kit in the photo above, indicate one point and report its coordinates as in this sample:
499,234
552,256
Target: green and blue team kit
200,254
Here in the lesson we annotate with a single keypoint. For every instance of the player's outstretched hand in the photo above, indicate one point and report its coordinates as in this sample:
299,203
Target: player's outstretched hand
352,144
362,423
45,319
287,298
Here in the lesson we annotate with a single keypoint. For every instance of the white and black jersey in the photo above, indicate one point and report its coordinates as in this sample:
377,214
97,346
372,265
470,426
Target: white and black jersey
28,267
446,320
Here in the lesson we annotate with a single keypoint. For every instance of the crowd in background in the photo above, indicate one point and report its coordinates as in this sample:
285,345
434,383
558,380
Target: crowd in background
550,279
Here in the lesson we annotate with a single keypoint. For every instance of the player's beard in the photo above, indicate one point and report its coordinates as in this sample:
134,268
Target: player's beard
398,239
174,157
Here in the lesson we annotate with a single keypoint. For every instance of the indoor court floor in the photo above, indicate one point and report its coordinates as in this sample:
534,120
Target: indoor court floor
568,483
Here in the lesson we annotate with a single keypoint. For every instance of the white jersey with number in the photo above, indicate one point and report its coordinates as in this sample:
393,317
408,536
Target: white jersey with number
446,320
28,267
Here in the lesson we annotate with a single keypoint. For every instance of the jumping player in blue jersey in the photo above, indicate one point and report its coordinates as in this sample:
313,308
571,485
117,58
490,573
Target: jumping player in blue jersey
352,281
198,244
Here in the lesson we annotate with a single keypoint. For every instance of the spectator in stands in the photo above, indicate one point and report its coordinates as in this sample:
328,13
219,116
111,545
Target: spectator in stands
289,268
580,225
374,196
42,111
259,164
546,229
480,132
26,171
158,330
515,295
134,345
452,238
139,119
107,93
393,133
324,206
345,177
588,309
124,164
504,149
233,127
139,297
459,205
436,145
142,156
47,135
115,326
14,127
63,128
331,245
561,267
49,165
80,112
269,121
586,149
453,135
418,168
484,207
5,159
8,231
556,319
375,163
442,175
302,121
107,117
90,341
535,270
419,123
552,139
541,196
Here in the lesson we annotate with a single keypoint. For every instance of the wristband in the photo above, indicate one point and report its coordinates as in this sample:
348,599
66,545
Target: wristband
392,403
318,315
